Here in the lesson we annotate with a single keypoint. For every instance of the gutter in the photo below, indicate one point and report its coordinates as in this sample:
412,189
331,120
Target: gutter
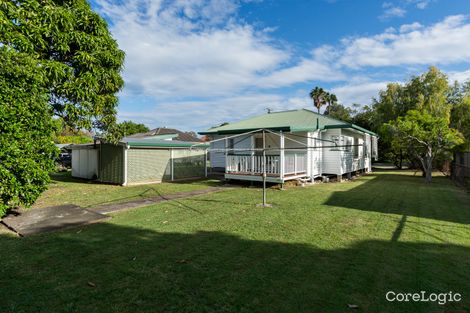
243,130
353,126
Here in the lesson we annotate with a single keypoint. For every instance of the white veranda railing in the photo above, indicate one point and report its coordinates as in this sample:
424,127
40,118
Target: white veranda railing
294,163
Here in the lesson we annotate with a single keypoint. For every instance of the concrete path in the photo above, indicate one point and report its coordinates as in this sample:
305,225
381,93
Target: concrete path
52,218
63,216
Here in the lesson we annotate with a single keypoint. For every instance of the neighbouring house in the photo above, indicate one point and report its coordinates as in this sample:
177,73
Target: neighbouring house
168,134
299,144
141,159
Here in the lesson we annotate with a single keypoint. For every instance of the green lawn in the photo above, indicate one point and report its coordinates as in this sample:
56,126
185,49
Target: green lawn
317,249
67,190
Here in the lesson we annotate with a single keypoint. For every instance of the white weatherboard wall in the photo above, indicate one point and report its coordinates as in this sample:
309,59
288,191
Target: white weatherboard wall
315,154
243,142
217,158
368,153
85,163
349,163
331,157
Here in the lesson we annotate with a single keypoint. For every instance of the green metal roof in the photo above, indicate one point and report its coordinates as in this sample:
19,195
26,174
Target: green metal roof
164,143
292,121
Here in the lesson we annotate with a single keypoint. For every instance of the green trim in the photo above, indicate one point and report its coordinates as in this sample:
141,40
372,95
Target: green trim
167,145
353,126
302,129
245,130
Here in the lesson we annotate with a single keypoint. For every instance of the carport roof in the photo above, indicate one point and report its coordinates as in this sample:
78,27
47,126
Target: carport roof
159,143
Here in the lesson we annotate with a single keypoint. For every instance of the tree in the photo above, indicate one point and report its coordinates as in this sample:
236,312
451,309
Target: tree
318,95
460,113
27,152
426,136
65,134
80,61
330,99
392,103
338,111
130,128
364,117
428,92
57,58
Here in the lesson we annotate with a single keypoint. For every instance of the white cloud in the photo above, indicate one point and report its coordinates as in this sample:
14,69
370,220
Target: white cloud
405,28
197,48
391,11
361,92
224,109
420,4
305,70
460,76
442,43
181,50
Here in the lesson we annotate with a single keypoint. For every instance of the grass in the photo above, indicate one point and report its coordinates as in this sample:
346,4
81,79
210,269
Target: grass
65,189
317,249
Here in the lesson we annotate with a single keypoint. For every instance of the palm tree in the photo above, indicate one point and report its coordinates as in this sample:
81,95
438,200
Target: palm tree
330,99
318,95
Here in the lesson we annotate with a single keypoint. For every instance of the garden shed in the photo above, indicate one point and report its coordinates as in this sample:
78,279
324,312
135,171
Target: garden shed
141,160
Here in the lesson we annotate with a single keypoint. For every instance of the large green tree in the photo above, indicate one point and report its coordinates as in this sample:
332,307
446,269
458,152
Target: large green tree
130,128
338,111
426,137
65,134
460,112
57,58
429,92
26,149
80,61
364,116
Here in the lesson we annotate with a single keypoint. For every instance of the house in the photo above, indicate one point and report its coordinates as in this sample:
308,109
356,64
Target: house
168,134
298,144
141,159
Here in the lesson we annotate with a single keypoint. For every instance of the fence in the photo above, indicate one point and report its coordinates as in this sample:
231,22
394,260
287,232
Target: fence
461,169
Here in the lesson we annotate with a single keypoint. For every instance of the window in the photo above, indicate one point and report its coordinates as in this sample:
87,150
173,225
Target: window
349,143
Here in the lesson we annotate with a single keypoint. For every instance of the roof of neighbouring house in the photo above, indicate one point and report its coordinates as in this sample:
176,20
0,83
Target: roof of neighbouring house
162,143
167,133
291,121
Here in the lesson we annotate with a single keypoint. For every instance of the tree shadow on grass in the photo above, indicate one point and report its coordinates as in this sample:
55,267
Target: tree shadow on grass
406,195
110,268
66,177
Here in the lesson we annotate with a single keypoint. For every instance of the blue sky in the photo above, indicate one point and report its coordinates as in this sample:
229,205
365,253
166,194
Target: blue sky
192,64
